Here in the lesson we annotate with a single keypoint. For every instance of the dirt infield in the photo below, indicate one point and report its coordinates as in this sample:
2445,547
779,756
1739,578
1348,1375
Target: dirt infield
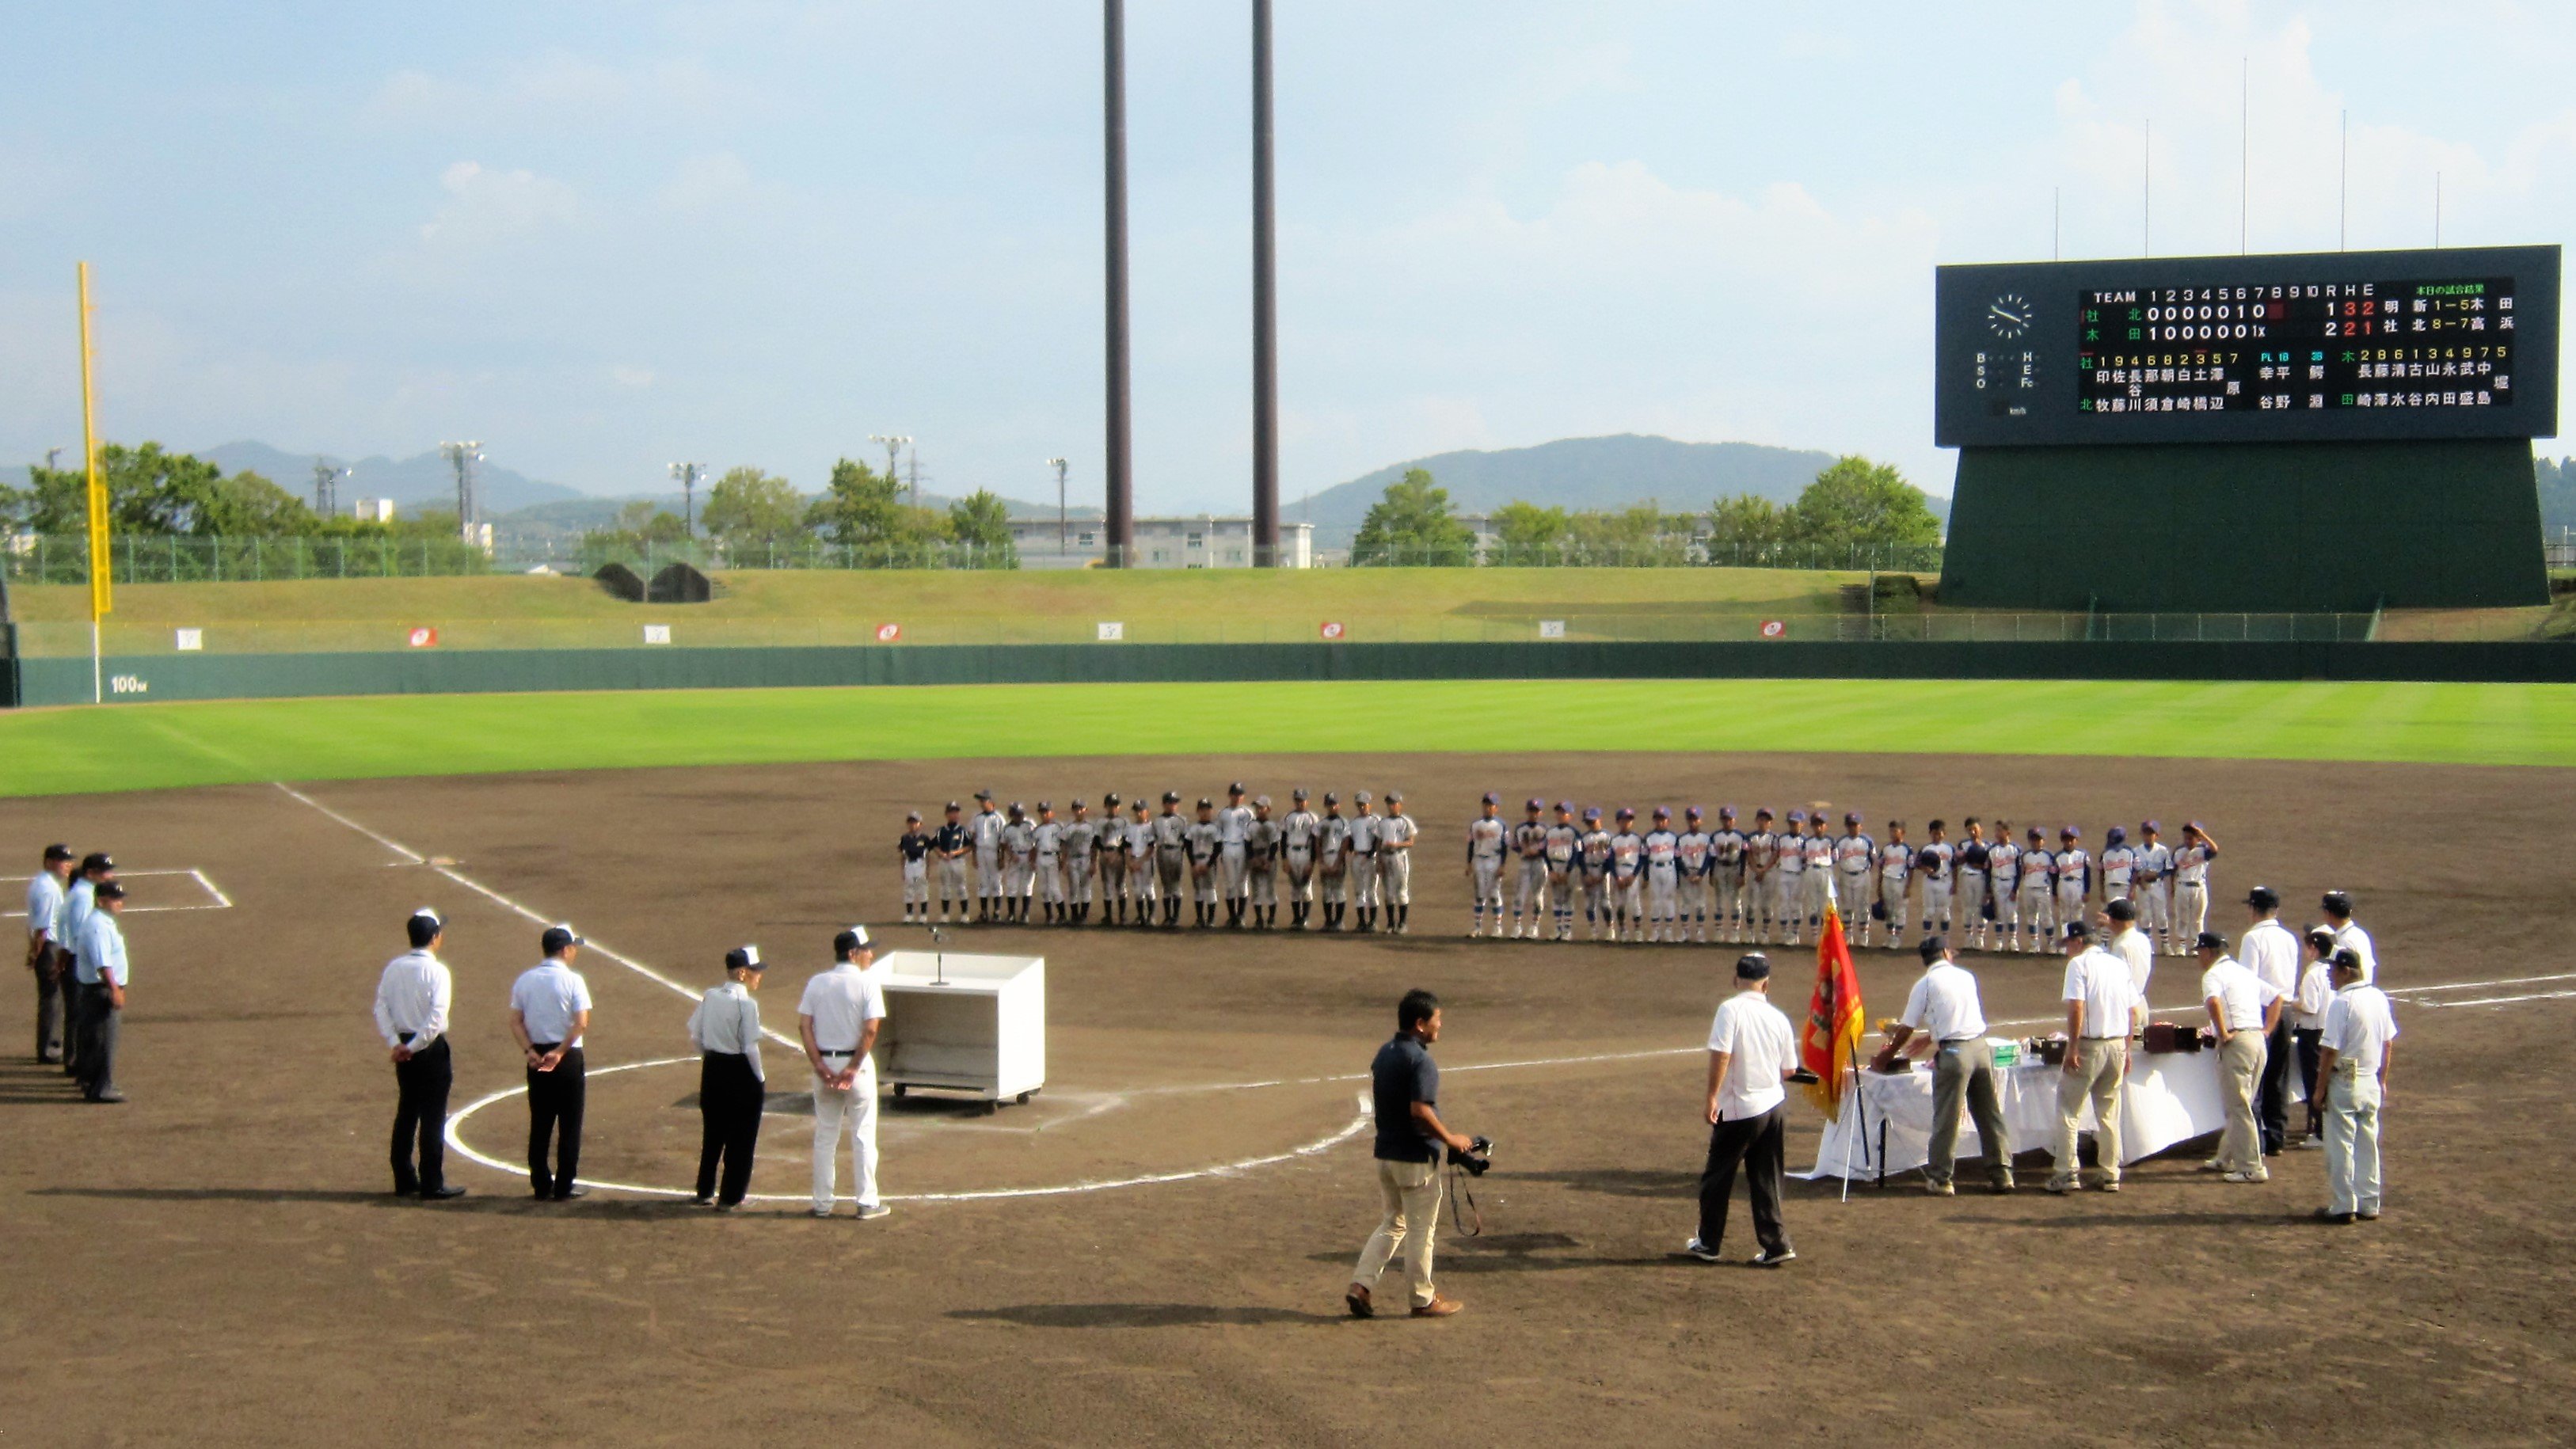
218,1261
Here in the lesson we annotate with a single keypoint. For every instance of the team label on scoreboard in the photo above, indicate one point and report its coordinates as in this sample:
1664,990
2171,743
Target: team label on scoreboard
2438,344
2315,347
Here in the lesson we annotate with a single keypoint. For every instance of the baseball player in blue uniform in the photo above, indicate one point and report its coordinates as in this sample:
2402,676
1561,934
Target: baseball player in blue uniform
1895,883
1694,857
1595,865
1853,856
2038,894
1789,877
2074,876
1628,879
1662,853
1564,843
2119,866
2003,888
1934,864
1488,842
1529,857
2191,882
2154,892
1730,891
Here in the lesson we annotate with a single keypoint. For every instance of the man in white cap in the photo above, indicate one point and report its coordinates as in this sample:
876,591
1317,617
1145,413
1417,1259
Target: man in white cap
413,1000
549,1013
838,1019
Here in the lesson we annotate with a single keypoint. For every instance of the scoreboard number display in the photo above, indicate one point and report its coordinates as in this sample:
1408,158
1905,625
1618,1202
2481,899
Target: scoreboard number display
2455,343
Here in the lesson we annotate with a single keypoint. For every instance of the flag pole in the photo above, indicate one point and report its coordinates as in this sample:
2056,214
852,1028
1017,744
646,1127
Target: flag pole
101,589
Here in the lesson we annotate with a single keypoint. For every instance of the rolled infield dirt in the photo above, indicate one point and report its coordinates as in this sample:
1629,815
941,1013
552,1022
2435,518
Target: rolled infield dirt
218,1261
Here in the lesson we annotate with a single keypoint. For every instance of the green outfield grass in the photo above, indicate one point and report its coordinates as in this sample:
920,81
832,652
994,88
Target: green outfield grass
142,747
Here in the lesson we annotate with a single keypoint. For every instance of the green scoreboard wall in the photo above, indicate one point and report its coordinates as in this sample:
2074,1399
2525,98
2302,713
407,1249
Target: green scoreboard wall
2259,527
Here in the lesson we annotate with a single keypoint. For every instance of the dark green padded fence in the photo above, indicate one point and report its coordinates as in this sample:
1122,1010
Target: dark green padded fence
255,676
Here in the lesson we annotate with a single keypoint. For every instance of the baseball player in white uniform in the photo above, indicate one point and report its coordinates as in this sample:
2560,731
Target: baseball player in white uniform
1853,856
2191,882
2119,866
1142,837
1695,858
1261,864
1564,844
1299,834
1628,879
1934,865
987,830
1019,862
1234,834
1111,865
1171,856
1663,878
1594,863
1820,871
1731,887
952,843
1395,836
2155,892
1205,840
1081,846
1046,843
1529,888
913,849
1364,829
2074,876
1761,864
1976,868
1488,842
2038,894
1789,877
1895,865
1333,862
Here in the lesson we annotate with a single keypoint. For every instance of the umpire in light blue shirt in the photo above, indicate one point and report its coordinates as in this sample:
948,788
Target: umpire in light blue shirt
102,976
549,1012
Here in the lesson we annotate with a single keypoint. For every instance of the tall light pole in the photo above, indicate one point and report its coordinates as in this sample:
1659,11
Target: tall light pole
1063,532
687,476
326,487
469,502
895,443
1117,484
1265,306
51,454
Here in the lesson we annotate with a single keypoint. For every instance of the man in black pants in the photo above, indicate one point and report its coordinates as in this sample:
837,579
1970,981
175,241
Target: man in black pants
1751,1055
413,999
732,1089
549,1011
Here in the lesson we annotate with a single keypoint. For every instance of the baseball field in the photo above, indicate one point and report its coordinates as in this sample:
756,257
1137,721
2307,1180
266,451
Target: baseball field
1153,1249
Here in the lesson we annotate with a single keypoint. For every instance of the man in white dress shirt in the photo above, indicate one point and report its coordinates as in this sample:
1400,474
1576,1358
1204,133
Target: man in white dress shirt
71,926
102,974
2242,1010
2350,936
839,1018
1752,1054
45,955
2272,953
732,1088
2100,1002
414,998
1945,1009
2360,1036
549,1013
2134,947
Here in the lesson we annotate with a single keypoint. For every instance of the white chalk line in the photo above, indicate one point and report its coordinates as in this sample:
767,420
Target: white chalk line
2477,985
221,902
2500,1000
410,856
456,1141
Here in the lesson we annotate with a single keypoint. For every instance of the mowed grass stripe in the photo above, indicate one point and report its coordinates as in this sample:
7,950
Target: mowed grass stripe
135,747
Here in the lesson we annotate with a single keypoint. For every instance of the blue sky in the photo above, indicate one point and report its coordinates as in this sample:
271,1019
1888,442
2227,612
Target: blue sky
603,236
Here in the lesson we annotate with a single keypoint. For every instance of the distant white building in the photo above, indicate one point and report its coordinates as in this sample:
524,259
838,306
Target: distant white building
372,510
1206,541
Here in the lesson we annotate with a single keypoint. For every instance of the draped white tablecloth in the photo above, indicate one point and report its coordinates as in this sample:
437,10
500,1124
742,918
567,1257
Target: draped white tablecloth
2169,1097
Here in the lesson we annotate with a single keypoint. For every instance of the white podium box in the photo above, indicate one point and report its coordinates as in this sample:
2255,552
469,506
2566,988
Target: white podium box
963,1023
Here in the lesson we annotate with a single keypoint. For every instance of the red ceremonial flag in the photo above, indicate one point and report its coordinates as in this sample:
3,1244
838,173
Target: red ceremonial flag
1831,1043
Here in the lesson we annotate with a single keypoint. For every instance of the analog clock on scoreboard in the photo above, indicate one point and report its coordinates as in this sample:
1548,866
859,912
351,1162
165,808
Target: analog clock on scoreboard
2331,346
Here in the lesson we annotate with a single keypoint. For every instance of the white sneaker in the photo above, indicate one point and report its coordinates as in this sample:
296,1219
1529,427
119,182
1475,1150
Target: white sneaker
1702,1251
871,1211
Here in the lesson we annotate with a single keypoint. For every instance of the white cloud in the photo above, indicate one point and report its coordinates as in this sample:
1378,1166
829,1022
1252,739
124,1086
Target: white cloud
627,375
555,90
485,207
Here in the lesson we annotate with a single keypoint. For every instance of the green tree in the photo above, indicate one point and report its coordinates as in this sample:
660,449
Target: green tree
865,508
1860,508
1747,528
151,490
1641,535
1414,524
1527,535
981,523
751,509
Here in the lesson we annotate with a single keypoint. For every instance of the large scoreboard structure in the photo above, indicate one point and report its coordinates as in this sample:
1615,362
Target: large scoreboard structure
2303,433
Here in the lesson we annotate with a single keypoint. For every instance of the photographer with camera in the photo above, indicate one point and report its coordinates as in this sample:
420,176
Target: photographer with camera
1411,1140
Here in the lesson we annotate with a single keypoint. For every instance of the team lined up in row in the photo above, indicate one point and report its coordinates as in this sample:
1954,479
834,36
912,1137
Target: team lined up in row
1765,884
1232,857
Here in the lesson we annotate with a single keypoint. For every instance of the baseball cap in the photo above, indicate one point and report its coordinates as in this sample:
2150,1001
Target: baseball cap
2070,833
2263,898
1627,814
2346,956
1138,805
1663,812
1692,812
1591,812
1493,799
1395,797
983,794
1797,815
1081,804
2211,941
1761,812
1567,806
2115,835
1297,794
953,807
1262,801
744,958
1851,817
1359,797
1725,812
1109,801
96,860
109,890
1043,807
849,940
912,815
1536,803
425,913
1171,797
1932,948
2152,828
1019,809
2321,935
1752,966
1206,804
2338,903
1332,799
1235,789
2038,834
2076,931
557,937
58,852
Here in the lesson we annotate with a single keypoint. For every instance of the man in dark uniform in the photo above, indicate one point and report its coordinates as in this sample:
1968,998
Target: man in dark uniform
414,999
1410,1136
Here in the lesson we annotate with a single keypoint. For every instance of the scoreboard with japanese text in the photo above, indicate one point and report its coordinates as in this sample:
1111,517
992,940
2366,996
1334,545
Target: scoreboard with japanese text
2325,347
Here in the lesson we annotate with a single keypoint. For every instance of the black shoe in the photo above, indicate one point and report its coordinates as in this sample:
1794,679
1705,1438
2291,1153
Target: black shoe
563,1194
49,1061
1768,1259
440,1194
2329,1215
703,1200
109,1096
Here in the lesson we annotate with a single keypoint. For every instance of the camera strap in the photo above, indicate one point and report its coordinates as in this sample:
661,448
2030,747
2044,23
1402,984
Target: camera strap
1464,1215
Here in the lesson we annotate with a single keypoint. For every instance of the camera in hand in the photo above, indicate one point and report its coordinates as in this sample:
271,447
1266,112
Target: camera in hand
1476,1159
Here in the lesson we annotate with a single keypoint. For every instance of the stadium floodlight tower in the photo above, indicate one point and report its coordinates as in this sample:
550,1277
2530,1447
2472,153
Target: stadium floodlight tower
326,487
1063,533
1118,512
1265,306
462,457
895,443
687,476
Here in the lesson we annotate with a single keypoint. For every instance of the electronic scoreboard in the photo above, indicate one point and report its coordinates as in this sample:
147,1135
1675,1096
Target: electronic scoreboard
2326,347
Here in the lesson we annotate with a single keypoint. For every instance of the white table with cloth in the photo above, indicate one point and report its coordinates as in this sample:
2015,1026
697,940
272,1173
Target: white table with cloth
1886,1124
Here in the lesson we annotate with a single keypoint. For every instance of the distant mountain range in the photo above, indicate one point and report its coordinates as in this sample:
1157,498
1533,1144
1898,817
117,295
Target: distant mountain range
413,483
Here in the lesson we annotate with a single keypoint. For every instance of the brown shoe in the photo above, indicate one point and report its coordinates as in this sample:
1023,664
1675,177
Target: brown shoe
1440,1306
1357,1298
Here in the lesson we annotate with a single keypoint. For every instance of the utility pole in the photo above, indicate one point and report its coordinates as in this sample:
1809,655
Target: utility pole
687,476
1063,530
1117,482
916,477
51,454
469,502
1265,304
326,487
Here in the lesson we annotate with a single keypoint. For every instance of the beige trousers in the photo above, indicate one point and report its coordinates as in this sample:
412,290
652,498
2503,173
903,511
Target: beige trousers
1411,1191
2101,1068
2240,1062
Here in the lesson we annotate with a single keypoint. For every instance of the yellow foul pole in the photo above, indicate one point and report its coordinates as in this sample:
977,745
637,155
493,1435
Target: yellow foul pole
101,594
